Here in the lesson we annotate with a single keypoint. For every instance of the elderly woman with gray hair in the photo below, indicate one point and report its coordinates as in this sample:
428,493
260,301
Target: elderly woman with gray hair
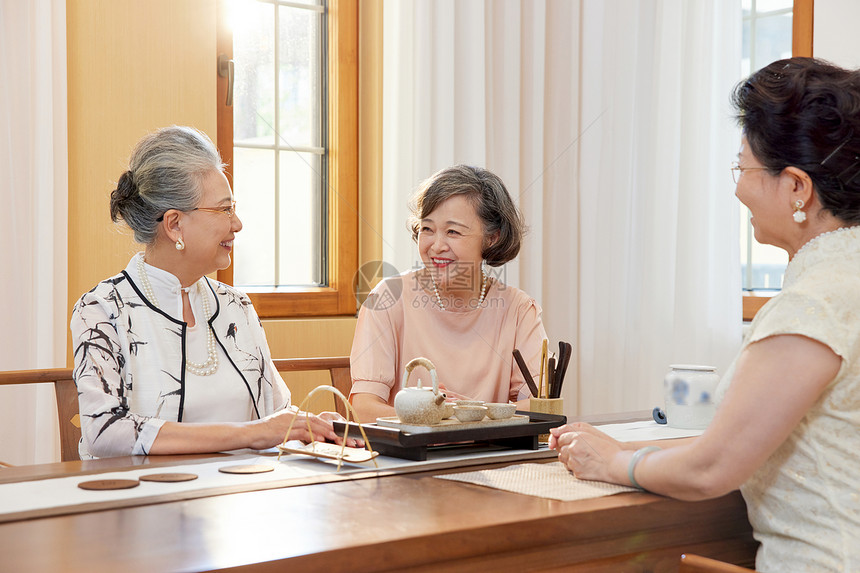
168,361
450,310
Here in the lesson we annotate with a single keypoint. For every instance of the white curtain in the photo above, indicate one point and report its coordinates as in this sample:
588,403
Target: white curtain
33,220
609,122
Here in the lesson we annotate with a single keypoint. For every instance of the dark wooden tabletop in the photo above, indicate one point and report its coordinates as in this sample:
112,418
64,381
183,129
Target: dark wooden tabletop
391,523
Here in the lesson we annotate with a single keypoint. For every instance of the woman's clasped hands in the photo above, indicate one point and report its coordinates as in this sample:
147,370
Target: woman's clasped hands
589,453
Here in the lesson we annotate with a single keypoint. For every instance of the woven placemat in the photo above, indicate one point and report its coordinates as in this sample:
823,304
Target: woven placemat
552,481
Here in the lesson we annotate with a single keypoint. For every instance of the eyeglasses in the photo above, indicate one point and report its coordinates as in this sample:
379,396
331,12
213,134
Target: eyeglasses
737,170
228,210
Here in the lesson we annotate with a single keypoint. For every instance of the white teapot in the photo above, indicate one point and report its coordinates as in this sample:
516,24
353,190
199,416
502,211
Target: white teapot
420,405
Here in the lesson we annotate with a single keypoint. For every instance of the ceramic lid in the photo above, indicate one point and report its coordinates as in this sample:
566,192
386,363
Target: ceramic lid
693,367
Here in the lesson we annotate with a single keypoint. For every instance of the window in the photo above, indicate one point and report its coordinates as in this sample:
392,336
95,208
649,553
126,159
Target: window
290,141
772,29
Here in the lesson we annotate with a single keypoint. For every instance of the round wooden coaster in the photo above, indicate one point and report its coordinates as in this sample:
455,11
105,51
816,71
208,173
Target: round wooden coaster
168,477
101,484
248,469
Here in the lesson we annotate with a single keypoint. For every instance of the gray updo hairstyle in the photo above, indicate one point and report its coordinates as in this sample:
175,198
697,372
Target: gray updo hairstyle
166,171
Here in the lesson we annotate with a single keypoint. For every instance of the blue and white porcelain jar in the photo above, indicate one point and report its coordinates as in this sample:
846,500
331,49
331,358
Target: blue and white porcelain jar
689,395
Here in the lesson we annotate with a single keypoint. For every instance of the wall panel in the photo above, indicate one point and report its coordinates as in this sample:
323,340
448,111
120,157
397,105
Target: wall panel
132,67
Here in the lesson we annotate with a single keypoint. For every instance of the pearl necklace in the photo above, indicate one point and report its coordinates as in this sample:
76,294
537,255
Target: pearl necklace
211,365
816,237
480,299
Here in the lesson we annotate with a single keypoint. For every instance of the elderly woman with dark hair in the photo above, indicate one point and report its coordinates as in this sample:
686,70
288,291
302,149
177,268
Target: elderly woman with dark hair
787,431
168,361
450,311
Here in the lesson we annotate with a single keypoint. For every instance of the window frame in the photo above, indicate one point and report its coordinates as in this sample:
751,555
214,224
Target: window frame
801,46
336,299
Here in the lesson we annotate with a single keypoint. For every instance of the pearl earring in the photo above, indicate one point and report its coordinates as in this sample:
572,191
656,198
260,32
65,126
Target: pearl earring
799,216
180,244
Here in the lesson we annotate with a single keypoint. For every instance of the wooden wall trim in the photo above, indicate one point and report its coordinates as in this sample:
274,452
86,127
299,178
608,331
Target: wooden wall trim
370,103
224,139
801,45
802,26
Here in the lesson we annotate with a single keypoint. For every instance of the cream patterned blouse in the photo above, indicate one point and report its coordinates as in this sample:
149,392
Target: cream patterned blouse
130,360
804,502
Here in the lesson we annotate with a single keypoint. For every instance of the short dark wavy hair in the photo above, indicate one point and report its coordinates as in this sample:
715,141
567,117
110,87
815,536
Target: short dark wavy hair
491,199
805,112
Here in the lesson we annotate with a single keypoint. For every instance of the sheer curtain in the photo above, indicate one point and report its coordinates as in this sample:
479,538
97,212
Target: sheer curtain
33,220
609,122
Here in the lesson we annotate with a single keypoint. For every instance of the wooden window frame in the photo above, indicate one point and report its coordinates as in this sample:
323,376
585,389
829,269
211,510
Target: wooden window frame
342,250
801,46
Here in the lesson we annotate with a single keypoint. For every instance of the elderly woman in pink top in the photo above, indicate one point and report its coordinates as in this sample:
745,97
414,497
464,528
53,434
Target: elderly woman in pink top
450,311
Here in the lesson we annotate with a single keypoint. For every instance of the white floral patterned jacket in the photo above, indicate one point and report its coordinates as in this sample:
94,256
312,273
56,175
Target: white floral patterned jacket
130,363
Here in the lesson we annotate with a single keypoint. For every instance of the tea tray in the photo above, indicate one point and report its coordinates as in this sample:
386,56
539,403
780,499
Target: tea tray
450,424
400,443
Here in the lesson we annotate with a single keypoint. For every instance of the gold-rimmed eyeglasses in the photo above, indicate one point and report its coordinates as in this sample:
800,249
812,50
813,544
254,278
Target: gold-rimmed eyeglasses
737,170
228,210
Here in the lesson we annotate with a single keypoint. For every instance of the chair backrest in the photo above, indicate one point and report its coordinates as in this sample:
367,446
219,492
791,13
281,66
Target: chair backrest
69,420
67,403
697,564
337,366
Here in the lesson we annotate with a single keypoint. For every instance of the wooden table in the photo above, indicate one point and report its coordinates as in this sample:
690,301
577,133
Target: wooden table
392,523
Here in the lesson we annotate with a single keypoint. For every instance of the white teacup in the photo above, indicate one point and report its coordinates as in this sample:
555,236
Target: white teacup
470,413
500,411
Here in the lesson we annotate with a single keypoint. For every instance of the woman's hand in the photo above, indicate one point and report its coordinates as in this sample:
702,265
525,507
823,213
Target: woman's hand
272,430
587,452
583,427
335,417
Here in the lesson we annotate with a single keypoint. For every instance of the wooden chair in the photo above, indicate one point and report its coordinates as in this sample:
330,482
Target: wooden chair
698,564
67,403
69,419
337,366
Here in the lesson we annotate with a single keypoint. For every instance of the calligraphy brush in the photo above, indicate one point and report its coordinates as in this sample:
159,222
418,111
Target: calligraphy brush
556,382
542,367
518,357
568,351
557,370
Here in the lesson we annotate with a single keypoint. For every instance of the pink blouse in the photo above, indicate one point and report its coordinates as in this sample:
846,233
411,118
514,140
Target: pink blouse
472,349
